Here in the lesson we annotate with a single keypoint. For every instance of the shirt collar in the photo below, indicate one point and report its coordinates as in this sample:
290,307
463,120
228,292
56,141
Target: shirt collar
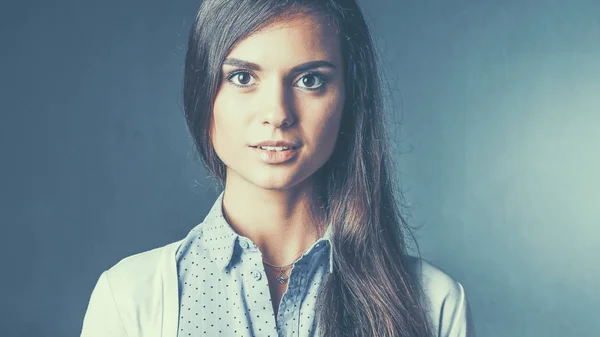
220,239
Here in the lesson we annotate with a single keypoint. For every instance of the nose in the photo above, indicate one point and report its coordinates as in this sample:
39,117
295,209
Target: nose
277,107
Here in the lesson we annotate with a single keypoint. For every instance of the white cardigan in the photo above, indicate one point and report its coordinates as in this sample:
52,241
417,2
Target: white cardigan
138,297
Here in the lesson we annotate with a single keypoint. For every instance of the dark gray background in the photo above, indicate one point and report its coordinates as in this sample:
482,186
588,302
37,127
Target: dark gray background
500,102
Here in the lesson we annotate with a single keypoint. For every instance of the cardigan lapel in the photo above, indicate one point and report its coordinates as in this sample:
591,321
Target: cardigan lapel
170,293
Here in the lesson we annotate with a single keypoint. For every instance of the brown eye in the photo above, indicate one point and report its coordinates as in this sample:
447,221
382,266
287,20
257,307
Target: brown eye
311,81
240,78
308,81
243,78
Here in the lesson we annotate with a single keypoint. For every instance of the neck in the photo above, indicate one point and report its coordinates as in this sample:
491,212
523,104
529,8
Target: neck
280,222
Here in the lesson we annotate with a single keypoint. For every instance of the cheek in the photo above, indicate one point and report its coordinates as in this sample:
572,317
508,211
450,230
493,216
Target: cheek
226,125
327,123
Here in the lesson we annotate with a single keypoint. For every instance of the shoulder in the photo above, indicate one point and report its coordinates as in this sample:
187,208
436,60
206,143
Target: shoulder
437,284
445,298
133,274
129,292
143,264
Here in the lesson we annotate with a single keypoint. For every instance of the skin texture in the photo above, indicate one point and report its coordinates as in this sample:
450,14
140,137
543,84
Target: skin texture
269,203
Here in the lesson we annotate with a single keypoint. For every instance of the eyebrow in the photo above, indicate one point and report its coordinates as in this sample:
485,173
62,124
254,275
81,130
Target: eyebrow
301,67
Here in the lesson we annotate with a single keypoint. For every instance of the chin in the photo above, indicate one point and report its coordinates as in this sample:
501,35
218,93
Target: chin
273,181
280,179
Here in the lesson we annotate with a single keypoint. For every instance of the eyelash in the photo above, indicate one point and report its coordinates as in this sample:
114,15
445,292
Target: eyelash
236,72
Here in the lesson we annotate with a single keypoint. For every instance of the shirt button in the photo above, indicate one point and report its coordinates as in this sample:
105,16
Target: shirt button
244,244
256,274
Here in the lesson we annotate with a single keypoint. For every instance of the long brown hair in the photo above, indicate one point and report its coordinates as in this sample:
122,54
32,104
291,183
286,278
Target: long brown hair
372,291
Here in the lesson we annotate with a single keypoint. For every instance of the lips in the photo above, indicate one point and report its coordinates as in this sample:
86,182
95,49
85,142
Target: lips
275,157
262,147
278,143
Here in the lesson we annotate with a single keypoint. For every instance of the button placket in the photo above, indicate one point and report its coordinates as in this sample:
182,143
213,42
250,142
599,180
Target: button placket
258,290
288,312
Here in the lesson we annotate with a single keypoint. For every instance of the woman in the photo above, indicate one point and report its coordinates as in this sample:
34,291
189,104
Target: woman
282,99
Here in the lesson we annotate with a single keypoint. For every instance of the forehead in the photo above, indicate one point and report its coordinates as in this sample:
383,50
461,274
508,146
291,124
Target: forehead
290,41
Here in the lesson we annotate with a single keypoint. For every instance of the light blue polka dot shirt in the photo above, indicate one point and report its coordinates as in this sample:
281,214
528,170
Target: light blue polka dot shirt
224,291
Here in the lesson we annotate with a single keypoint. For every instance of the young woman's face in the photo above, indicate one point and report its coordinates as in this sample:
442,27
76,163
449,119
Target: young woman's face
284,82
